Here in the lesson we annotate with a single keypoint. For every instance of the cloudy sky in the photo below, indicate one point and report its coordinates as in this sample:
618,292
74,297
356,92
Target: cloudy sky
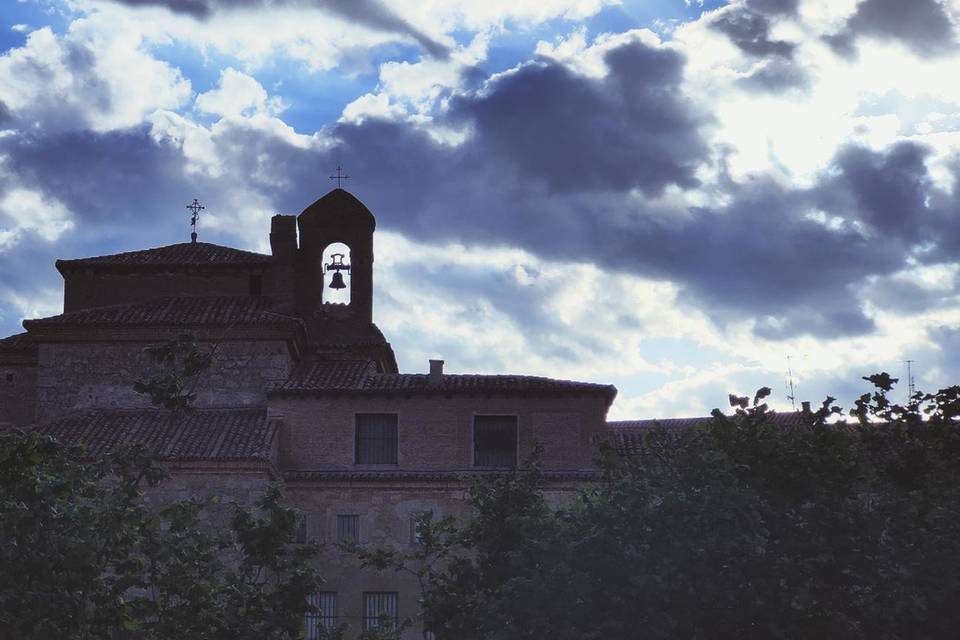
681,198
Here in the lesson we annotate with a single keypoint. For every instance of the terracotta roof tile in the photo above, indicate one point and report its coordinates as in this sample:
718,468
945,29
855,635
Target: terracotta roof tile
362,377
18,342
331,375
434,475
241,310
205,435
184,254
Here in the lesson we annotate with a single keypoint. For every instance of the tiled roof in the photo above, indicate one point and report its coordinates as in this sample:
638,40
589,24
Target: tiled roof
627,435
18,342
362,377
205,435
227,311
427,475
334,375
185,254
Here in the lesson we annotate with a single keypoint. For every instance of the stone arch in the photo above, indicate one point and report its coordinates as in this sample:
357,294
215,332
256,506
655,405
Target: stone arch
329,295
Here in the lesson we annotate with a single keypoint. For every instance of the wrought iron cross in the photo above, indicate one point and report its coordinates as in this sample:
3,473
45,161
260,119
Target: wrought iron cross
194,208
339,176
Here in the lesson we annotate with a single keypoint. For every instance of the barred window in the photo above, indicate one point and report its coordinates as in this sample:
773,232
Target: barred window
325,615
376,439
495,441
300,536
416,528
380,607
348,527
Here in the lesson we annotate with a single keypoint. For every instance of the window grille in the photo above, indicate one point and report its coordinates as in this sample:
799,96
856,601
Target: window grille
495,441
301,531
380,606
416,531
348,527
376,438
325,616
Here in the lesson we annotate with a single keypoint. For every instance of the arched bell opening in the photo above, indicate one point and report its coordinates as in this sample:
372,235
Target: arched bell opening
336,268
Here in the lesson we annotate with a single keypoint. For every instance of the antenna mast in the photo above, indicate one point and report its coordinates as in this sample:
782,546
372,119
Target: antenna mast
792,396
911,387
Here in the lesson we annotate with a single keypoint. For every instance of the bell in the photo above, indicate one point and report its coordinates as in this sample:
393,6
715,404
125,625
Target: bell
336,282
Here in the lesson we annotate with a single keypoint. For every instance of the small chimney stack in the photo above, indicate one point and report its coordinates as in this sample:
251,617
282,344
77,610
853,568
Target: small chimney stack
283,238
436,372
806,406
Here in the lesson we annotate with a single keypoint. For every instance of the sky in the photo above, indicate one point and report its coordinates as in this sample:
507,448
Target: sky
682,198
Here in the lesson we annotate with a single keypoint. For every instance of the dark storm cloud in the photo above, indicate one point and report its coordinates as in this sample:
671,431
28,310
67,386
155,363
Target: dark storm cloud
556,164
776,75
633,129
749,30
108,179
921,25
946,340
372,14
774,7
903,296
887,191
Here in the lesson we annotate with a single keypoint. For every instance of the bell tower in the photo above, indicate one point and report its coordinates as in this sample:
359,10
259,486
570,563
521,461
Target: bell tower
337,217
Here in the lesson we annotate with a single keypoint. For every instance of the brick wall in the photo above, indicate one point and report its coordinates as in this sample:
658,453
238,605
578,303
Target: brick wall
85,289
436,432
74,376
386,511
18,393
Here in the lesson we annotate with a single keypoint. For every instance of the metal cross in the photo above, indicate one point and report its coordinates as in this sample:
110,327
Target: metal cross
194,208
339,176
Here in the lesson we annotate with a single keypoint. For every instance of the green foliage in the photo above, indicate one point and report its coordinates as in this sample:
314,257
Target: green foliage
740,528
83,556
181,362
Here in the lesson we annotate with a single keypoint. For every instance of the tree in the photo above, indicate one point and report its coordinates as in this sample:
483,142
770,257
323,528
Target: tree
82,555
741,527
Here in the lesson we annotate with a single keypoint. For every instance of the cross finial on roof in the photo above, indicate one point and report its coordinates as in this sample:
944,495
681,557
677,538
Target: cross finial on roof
339,176
194,208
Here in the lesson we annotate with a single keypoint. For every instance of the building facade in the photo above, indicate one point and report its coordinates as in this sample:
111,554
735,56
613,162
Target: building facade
303,389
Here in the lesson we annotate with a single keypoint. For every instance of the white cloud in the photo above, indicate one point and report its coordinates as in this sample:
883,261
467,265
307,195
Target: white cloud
74,81
238,95
27,211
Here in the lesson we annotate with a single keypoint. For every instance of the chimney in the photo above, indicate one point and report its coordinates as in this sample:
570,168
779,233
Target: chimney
436,372
806,406
283,238
283,278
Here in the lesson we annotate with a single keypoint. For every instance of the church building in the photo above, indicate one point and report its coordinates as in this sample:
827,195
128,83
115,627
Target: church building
303,389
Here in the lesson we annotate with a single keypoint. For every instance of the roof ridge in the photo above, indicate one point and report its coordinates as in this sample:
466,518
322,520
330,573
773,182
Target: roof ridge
180,253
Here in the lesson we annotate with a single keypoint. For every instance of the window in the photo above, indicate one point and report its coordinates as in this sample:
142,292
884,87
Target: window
495,441
348,527
380,607
325,616
376,438
300,536
256,285
417,525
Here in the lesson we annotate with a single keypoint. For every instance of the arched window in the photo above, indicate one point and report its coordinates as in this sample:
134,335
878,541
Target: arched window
336,274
